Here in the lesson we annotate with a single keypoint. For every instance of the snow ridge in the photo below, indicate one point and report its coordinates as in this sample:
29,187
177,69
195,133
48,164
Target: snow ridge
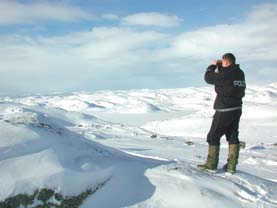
143,143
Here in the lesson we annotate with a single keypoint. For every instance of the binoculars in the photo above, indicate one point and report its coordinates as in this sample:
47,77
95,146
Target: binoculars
219,63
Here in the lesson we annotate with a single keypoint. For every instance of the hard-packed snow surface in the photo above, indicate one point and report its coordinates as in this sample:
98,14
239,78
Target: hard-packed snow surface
143,144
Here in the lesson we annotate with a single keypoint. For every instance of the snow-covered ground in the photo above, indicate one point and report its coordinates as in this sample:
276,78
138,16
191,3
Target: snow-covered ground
143,145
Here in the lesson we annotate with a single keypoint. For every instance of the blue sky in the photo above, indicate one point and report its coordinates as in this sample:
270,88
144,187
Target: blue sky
66,46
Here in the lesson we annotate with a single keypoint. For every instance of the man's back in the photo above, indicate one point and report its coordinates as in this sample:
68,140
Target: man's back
229,85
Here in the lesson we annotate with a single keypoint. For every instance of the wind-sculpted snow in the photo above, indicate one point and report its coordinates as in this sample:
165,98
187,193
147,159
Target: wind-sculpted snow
41,151
143,145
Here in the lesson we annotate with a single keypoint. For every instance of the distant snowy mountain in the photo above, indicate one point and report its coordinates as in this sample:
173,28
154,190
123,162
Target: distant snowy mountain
136,148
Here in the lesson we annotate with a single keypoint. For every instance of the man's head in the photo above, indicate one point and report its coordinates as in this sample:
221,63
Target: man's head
228,59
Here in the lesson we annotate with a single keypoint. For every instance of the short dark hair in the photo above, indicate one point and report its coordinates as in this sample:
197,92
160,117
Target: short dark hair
230,57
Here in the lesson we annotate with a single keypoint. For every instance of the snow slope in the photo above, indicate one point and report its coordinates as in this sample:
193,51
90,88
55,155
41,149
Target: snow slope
143,144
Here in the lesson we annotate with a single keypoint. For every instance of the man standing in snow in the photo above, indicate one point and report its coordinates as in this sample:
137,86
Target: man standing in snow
229,82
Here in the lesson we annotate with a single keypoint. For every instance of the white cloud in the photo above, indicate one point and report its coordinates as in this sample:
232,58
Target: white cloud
100,43
84,57
17,13
153,19
114,43
254,39
264,12
110,16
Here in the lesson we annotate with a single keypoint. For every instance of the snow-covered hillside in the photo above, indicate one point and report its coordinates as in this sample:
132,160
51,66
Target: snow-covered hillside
136,148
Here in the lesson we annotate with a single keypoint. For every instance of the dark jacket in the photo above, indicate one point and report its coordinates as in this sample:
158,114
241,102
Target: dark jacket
229,85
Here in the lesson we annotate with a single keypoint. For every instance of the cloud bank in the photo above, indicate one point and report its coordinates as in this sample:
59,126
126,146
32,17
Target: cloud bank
126,56
18,13
252,39
153,19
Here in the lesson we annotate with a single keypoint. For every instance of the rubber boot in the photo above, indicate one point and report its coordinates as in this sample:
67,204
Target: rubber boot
232,160
212,159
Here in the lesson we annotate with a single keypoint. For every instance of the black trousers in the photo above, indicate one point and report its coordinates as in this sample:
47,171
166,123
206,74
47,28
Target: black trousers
225,123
